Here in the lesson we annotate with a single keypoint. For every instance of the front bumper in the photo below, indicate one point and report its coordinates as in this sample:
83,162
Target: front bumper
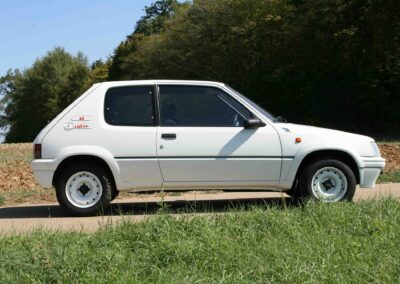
43,171
370,170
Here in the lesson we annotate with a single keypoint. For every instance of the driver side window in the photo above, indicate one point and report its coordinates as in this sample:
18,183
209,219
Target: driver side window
200,106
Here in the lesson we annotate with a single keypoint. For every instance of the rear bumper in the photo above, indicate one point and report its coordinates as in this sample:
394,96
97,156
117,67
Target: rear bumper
370,171
43,171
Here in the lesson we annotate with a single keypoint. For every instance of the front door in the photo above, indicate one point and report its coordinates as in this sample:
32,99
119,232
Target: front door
201,138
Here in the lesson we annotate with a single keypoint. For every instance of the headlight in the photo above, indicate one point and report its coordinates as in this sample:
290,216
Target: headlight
375,149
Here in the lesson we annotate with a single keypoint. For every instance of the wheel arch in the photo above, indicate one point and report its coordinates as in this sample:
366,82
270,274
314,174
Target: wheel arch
340,155
83,158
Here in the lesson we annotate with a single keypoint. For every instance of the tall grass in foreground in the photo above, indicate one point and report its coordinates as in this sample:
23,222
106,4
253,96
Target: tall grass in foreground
334,243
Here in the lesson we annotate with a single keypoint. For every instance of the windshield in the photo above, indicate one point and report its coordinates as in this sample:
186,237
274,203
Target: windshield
253,104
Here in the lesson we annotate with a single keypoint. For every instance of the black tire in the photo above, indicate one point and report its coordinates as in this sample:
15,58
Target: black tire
305,180
114,194
100,173
294,193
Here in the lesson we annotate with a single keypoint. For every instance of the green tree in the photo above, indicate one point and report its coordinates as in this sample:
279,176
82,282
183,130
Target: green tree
334,63
329,63
153,22
99,71
30,99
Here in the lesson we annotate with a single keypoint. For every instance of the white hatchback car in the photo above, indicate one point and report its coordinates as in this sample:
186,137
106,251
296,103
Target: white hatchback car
191,135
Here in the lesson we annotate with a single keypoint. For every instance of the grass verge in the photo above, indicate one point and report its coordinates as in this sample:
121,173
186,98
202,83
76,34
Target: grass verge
389,177
29,196
335,243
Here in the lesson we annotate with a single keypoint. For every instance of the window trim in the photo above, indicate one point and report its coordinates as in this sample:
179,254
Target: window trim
154,107
234,108
203,86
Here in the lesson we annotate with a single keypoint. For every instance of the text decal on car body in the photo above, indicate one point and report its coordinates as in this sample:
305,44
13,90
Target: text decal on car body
81,118
78,122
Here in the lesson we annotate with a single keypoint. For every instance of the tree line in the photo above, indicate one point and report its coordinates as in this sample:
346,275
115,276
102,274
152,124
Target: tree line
331,63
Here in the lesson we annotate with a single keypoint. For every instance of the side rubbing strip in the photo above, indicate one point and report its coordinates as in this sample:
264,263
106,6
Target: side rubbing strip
206,157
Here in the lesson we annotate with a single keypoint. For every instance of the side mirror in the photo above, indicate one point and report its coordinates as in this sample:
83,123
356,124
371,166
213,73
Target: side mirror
253,123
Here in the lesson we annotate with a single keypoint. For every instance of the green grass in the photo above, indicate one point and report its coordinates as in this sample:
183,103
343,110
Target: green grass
23,155
334,243
23,195
12,152
389,177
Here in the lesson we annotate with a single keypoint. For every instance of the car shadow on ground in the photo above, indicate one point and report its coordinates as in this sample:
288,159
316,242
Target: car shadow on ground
149,208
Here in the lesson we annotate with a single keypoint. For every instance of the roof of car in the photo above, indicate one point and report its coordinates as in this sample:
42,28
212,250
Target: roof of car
161,82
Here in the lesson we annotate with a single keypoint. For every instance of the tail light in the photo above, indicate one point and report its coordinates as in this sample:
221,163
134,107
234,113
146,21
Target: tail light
37,151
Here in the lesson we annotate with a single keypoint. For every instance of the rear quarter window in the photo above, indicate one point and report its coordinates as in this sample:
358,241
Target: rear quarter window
130,106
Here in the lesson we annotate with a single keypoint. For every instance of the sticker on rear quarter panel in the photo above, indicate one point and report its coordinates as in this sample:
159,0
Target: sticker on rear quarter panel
71,126
78,122
81,118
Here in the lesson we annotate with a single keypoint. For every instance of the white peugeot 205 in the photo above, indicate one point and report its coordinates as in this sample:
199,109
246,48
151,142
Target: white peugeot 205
191,135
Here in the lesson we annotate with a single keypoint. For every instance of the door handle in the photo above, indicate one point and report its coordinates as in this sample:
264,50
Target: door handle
168,136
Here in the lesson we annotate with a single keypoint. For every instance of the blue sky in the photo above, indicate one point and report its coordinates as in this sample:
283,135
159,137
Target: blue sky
30,28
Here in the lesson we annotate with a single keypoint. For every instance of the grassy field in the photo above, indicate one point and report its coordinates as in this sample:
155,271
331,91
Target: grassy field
17,184
334,243
389,177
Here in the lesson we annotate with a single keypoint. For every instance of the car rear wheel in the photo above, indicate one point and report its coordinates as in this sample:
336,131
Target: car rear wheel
84,189
328,180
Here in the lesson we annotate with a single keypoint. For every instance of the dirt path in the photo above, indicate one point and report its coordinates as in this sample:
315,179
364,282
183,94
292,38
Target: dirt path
20,219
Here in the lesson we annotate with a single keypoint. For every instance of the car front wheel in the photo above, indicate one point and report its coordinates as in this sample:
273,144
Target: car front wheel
328,180
84,189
